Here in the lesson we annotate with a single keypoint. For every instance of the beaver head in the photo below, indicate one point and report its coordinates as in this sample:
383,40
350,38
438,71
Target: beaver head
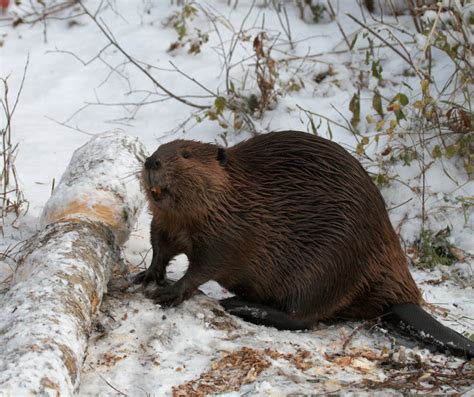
184,175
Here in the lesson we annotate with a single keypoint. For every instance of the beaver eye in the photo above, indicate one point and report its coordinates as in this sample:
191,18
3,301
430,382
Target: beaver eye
186,154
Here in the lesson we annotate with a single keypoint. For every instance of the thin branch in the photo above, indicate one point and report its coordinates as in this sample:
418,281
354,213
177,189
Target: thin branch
64,124
192,79
8,176
287,28
408,59
105,30
120,393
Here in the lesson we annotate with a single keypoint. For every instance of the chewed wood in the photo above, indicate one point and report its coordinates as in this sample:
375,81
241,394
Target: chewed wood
100,184
78,210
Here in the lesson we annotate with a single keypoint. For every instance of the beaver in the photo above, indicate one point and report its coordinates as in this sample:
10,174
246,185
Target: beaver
290,223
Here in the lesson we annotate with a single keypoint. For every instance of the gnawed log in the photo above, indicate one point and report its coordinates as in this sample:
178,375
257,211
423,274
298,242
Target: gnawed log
46,315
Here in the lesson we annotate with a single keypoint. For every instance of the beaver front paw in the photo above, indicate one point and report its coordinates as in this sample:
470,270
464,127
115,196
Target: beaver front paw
146,277
166,294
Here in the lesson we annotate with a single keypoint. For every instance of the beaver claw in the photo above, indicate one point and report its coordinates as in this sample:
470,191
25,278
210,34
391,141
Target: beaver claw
167,295
146,277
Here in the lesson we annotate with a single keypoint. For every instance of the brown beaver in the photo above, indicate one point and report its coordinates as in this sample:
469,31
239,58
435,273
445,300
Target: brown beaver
289,222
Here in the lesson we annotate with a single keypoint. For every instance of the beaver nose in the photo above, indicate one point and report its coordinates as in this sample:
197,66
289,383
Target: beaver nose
152,163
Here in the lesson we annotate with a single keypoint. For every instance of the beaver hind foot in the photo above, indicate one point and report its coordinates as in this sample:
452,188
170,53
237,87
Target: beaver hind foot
260,314
408,318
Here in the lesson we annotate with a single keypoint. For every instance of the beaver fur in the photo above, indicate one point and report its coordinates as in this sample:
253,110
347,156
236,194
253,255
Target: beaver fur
289,222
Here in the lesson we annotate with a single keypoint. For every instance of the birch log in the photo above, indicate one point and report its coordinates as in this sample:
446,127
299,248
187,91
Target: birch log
45,318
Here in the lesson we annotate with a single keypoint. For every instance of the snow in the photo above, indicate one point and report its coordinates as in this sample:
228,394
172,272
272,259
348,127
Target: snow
137,347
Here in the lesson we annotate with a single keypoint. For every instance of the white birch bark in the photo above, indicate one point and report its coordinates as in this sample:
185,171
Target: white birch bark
46,316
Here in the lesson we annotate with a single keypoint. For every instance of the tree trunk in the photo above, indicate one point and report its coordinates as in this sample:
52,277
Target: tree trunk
46,316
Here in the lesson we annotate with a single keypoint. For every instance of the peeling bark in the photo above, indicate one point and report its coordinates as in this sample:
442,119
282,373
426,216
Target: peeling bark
46,316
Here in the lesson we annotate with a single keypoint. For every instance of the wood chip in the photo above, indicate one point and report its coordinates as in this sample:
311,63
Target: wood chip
227,374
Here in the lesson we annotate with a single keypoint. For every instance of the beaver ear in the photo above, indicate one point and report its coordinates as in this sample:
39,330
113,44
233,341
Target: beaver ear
222,156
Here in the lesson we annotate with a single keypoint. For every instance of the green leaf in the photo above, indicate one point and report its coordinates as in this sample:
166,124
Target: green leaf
189,11
469,168
407,86
314,130
219,104
353,41
425,86
377,69
436,152
365,140
367,57
450,151
399,115
381,180
329,131
354,107
377,103
407,158
402,98
181,30
379,126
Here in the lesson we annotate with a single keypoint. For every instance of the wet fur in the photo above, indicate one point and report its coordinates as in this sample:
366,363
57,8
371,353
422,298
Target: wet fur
286,219
290,223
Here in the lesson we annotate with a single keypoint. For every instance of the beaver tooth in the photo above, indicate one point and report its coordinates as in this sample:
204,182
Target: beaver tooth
156,190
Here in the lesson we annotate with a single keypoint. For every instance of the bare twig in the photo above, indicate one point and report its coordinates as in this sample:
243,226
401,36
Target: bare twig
49,10
8,178
285,25
120,393
213,94
75,128
108,34
33,15
334,16
406,58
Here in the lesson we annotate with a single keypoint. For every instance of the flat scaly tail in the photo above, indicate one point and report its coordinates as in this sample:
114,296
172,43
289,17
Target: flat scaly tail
423,326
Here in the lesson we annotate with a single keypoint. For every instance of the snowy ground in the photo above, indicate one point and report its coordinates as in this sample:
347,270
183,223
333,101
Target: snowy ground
136,347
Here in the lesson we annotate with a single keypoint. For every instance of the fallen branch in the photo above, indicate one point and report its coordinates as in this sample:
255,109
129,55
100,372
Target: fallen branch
64,269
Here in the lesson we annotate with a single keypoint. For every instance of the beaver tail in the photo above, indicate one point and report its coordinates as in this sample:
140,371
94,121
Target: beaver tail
422,326
409,318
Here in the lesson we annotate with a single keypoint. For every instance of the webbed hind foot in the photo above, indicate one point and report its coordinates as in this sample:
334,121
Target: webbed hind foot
260,314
